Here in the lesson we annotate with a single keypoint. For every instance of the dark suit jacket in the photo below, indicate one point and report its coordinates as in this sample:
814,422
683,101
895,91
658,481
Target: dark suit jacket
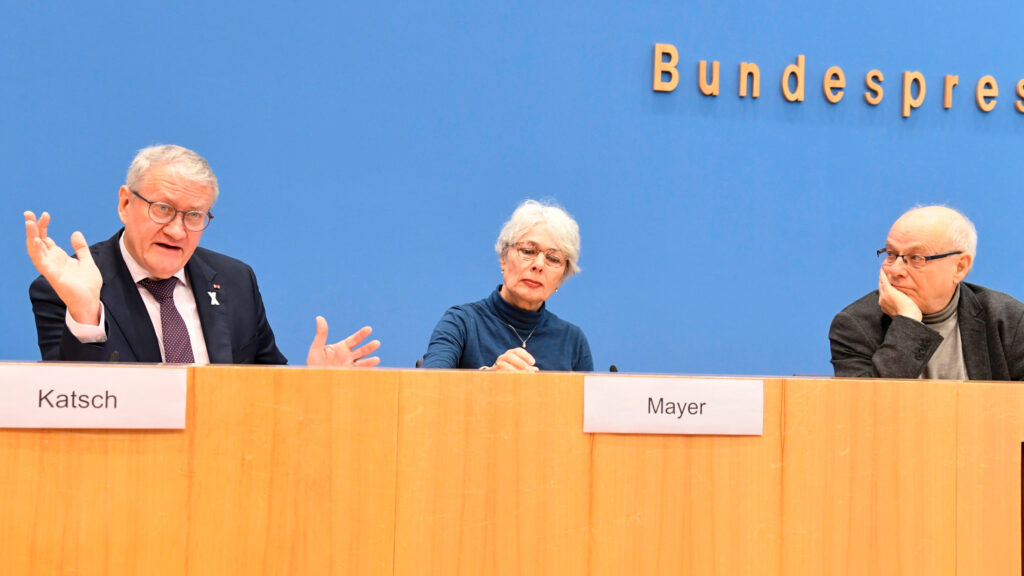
236,331
867,342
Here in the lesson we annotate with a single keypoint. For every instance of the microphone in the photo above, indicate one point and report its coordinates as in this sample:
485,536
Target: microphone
612,368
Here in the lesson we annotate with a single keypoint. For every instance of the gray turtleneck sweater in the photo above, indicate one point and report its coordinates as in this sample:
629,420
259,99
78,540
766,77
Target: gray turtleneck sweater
947,362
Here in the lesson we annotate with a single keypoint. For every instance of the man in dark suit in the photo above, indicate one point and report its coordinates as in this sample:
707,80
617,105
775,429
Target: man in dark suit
924,321
149,293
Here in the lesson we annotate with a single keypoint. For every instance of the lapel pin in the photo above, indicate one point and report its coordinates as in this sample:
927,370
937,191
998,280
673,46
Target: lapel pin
213,298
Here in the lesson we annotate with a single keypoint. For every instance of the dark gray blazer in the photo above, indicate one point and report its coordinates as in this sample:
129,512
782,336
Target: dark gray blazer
236,329
868,343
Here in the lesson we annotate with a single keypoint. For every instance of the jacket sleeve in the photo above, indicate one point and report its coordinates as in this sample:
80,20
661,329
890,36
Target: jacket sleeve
903,352
55,340
1014,350
263,345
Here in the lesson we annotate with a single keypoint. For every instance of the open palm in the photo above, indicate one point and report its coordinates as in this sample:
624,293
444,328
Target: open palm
76,281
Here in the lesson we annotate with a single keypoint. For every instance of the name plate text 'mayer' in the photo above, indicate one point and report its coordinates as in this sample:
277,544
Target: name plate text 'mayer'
655,405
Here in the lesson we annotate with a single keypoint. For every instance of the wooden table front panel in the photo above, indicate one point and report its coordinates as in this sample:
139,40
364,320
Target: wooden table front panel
300,471
279,471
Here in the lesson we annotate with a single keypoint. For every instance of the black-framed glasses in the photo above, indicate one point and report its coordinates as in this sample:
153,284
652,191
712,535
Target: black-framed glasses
164,213
528,252
888,258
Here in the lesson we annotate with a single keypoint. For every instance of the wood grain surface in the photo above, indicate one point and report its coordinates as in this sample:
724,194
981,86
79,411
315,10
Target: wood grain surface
303,471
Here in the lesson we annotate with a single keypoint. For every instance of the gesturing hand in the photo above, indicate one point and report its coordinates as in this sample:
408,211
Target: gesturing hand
517,359
343,353
76,282
893,302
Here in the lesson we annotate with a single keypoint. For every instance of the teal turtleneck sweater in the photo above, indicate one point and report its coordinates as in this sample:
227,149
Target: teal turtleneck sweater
474,335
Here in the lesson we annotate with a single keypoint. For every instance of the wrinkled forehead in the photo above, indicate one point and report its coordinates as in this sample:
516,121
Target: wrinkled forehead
165,182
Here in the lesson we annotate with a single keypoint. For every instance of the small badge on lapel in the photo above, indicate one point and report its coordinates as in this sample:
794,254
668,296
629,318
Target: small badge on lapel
213,299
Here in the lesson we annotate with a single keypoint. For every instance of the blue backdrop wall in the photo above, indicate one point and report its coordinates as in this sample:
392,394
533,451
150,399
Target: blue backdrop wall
369,153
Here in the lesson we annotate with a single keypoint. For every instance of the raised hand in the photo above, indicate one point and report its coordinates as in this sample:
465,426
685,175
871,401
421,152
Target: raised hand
515,359
893,302
343,353
76,282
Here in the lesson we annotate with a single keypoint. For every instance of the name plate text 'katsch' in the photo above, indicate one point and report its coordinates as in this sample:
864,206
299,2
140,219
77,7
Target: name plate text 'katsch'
89,396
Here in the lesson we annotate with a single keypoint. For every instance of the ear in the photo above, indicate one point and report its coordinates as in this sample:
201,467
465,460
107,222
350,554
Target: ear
963,266
124,196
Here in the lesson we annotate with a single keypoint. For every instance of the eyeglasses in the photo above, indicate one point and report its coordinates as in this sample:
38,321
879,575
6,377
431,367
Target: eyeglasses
528,251
164,213
888,258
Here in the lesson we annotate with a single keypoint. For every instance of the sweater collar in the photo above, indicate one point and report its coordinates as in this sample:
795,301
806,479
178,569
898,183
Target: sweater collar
521,319
947,312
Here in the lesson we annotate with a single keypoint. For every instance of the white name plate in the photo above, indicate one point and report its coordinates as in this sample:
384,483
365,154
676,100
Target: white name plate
652,405
90,396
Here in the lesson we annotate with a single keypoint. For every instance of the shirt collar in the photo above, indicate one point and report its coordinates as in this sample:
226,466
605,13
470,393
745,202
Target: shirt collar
136,269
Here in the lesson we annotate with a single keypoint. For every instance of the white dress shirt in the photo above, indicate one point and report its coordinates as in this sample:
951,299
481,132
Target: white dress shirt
184,301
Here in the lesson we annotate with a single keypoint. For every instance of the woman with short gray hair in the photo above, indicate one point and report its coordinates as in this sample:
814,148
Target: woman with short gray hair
538,249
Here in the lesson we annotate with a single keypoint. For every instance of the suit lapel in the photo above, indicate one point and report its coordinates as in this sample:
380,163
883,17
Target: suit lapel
973,336
212,313
123,306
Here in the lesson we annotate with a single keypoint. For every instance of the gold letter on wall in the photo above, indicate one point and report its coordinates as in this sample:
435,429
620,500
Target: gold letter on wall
797,69
909,103
751,70
834,84
947,93
986,93
1019,105
661,67
873,81
702,75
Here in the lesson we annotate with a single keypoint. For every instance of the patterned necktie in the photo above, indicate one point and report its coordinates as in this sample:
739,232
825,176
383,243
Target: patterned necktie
177,346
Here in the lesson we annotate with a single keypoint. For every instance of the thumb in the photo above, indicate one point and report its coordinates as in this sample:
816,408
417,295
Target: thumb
81,247
321,333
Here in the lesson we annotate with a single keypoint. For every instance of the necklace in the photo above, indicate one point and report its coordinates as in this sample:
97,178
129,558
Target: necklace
521,339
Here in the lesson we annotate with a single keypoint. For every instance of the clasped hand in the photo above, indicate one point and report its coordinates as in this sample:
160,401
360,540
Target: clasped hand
515,359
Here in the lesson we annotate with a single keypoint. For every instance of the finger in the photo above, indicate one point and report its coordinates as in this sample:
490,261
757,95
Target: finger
44,225
884,291
514,360
321,333
514,363
367,362
81,247
357,337
36,247
32,235
366,349
883,281
526,356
